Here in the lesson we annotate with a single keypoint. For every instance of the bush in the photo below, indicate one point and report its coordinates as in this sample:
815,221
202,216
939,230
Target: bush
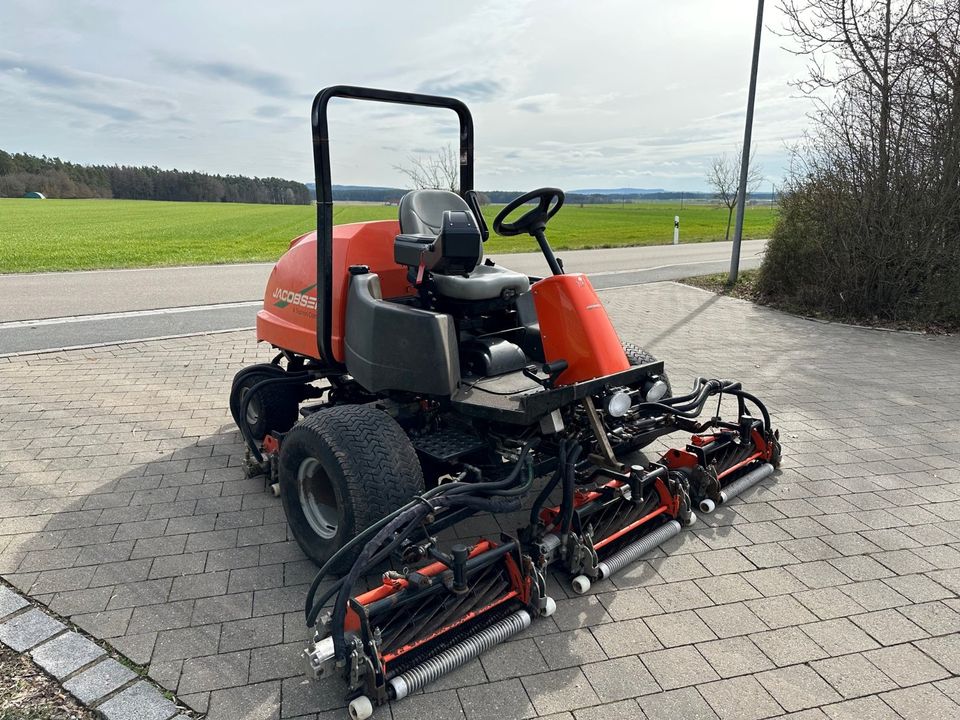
869,227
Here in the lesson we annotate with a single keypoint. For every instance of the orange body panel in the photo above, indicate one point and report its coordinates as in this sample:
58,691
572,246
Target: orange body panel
288,319
575,327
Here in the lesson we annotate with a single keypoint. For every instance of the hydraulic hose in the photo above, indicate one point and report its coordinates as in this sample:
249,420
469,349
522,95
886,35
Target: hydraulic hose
495,487
569,481
549,487
403,523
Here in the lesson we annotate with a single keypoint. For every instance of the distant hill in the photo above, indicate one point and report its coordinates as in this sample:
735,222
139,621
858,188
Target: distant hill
618,191
368,193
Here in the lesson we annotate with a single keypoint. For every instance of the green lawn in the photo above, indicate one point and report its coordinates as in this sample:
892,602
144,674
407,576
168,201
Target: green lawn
44,235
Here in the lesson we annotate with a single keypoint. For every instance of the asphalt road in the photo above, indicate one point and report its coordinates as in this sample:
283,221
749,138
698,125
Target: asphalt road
45,311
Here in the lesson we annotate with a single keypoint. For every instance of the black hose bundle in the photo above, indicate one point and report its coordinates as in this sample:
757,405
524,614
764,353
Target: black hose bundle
385,536
691,405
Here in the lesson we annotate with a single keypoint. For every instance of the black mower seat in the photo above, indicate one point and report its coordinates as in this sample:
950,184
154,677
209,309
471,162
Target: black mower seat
421,213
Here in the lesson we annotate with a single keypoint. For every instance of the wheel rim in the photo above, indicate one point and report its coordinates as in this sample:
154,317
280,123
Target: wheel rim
253,407
317,498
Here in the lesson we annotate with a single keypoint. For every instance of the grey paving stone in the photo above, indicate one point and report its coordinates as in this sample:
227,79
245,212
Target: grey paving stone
621,710
780,611
788,646
251,633
679,596
684,703
680,628
253,702
277,662
28,629
300,696
620,678
868,708
797,688
166,673
214,672
141,701
918,588
182,643
727,589
503,699
556,691
625,638
829,603
513,659
853,675
874,595
730,620
100,680
936,618
65,654
741,698
443,705
859,483
818,574
839,636
774,581
906,665
569,648
622,604
922,702
945,650
734,656
138,648
678,667
583,611
10,601
889,627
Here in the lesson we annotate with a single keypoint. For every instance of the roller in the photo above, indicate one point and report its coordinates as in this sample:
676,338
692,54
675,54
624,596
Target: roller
738,486
628,554
453,657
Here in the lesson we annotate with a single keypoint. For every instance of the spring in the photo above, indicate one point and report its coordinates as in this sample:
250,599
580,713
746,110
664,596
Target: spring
453,657
747,481
623,557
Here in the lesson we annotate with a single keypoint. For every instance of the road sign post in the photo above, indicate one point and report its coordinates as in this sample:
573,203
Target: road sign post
676,229
745,150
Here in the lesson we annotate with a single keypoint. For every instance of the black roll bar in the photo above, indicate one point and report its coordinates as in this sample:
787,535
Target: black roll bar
321,161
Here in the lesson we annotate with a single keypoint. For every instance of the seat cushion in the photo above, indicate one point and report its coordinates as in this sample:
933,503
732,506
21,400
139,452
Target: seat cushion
421,211
486,282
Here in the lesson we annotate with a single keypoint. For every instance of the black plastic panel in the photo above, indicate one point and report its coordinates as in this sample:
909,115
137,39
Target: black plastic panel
389,346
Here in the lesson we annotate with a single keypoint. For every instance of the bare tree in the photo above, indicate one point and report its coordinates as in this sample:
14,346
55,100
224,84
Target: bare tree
723,177
870,219
433,172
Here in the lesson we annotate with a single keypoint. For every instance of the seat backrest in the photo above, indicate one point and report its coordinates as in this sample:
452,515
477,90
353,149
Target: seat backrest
421,211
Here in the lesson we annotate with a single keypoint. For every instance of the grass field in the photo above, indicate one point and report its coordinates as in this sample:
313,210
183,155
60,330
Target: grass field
46,235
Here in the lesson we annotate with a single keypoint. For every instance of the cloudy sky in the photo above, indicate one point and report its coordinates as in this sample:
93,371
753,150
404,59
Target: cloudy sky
609,93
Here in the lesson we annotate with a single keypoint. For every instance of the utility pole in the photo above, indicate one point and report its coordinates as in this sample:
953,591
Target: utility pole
745,153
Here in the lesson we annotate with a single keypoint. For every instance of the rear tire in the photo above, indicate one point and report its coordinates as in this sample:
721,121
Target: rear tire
341,470
636,355
275,407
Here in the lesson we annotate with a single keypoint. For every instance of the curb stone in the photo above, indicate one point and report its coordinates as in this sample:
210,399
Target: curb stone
84,668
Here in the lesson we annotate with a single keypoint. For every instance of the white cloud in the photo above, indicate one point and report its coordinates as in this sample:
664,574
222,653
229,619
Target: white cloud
563,92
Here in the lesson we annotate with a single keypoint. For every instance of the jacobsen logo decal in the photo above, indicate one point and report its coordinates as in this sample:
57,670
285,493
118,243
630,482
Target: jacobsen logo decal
300,299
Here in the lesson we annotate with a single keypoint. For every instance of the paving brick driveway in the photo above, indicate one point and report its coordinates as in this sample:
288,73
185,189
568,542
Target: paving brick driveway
833,590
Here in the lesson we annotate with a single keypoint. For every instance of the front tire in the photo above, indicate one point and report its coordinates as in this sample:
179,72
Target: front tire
636,355
274,407
342,469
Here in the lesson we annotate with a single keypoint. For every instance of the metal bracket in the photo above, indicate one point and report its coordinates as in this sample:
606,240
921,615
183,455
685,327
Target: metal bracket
599,432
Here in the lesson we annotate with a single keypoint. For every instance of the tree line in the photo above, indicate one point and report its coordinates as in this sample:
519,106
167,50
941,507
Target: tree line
22,173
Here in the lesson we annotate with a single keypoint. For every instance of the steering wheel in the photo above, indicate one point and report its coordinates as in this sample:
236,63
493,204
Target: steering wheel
535,219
